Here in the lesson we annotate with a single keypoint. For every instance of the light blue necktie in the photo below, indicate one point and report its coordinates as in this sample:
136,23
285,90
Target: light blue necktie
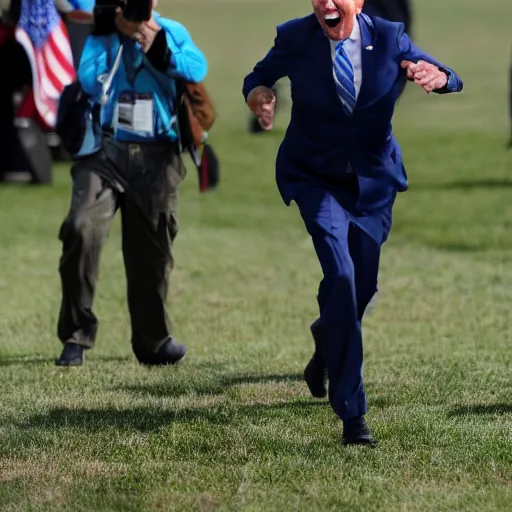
344,79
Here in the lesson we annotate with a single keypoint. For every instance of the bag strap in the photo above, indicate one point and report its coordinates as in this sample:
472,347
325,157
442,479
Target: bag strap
179,91
107,84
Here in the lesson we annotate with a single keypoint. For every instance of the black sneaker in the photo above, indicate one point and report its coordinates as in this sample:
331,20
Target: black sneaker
171,352
72,355
356,431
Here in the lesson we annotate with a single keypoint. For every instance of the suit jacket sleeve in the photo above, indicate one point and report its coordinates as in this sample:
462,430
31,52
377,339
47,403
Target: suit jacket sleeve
409,51
274,66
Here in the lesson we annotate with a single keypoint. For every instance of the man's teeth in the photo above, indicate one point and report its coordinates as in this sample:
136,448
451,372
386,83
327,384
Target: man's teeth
332,19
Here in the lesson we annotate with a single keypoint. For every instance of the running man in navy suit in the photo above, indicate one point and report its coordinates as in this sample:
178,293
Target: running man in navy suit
341,164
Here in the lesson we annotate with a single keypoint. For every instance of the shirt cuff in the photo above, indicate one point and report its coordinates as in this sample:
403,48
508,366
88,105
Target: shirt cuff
450,83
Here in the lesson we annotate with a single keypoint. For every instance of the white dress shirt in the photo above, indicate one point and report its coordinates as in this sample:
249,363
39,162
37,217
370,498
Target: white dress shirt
353,48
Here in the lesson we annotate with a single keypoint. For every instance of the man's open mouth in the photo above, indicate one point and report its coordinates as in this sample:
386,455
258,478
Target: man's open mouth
332,19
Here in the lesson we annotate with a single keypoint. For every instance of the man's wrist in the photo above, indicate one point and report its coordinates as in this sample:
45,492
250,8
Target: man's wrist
445,86
447,75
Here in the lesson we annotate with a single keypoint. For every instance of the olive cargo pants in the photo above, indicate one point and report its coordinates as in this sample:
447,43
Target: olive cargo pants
141,180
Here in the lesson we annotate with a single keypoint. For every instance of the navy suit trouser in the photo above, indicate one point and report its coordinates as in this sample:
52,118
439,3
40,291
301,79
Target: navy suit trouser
349,258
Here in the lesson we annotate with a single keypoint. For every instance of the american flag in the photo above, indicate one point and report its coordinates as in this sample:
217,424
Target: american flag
44,37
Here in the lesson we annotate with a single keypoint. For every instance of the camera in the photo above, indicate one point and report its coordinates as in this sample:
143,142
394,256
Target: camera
105,13
137,10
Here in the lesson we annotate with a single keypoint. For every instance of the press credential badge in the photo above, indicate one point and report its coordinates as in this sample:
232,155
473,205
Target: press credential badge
135,113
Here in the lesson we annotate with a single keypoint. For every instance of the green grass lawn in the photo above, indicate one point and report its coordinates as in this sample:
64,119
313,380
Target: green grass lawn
233,428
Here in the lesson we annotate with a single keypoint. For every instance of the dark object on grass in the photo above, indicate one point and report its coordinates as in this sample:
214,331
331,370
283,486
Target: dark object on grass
72,355
209,170
36,157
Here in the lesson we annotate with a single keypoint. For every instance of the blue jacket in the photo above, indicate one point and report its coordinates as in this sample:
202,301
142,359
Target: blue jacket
321,140
83,5
137,74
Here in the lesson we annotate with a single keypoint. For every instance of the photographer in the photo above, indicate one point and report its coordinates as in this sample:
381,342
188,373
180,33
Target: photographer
138,169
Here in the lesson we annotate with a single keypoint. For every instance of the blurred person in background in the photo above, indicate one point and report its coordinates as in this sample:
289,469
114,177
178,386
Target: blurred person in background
16,77
78,17
340,163
391,10
18,113
34,47
137,169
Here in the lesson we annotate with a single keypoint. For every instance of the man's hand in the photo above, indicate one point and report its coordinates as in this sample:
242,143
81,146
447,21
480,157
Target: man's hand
144,32
426,75
262,101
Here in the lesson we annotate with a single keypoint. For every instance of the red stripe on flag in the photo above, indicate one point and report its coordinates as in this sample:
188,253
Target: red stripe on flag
52,76
67,65
46,87
56,78
45,104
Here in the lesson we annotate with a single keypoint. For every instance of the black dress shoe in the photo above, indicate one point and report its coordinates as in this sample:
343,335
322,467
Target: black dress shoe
315,377
72,355
171,352
356,431
315,373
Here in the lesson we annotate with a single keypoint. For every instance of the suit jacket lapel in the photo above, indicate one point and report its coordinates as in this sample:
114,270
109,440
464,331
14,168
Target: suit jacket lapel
325,64
323,60
367,91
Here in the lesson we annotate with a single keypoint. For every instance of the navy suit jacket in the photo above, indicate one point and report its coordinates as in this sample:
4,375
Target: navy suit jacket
321,140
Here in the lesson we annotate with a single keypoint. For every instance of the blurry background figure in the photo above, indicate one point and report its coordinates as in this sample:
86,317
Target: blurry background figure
392,10
16,78
40,63
78,18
